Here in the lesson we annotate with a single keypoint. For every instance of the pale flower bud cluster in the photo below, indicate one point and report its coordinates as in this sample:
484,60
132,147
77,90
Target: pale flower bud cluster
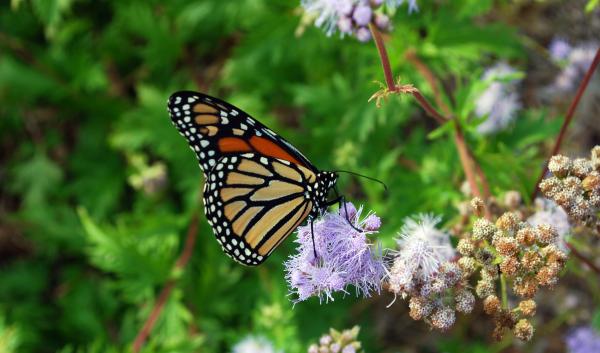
511,251
338,342
575,186
424,271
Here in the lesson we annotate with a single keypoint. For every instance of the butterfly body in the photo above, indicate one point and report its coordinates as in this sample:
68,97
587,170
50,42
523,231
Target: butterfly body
259,188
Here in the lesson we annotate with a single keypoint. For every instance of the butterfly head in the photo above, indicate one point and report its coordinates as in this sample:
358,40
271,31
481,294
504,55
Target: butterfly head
325,182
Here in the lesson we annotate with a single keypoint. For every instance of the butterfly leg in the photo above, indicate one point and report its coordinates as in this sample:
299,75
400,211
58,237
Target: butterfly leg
341,200
312,234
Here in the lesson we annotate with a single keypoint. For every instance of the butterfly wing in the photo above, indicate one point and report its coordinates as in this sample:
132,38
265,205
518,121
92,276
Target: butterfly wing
254,202
215,129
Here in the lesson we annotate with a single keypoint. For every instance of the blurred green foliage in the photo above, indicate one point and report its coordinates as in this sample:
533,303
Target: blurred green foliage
83,89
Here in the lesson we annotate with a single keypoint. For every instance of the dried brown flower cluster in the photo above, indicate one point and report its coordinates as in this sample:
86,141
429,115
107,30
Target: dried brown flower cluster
437,301
575,186
514,254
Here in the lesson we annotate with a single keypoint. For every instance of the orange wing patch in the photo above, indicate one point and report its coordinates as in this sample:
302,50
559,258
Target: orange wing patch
269,148
233,144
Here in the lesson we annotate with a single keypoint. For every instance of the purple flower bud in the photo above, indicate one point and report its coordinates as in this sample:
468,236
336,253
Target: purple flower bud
348,206
363,34
349,349
362,15
325,340
372,222
382,22
335,348
345,25
559,49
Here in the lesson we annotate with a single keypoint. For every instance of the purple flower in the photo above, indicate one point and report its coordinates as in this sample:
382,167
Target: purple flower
499,102
363,34
362,14
352,16
328,12
345,25
577,63
344,257
412,4
382,22
559,49
583,340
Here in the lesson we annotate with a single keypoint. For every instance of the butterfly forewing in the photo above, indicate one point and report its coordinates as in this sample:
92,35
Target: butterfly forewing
215,128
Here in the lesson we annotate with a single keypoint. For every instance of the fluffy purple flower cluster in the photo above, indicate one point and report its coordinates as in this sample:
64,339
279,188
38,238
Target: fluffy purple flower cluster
583,340
575,61
352,17
344,256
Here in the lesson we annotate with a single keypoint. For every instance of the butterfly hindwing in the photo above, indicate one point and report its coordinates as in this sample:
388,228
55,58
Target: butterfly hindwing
254,202
214,128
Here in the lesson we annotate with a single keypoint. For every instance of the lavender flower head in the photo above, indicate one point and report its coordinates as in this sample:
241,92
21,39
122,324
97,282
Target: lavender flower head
499,102
583,340
254,344
353,17
423,250
548,212
576,59
344,257
559,49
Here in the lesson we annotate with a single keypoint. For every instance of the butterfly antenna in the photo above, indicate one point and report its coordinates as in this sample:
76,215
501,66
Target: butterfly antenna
364,176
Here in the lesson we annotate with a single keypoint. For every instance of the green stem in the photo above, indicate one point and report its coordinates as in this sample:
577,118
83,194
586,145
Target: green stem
503,292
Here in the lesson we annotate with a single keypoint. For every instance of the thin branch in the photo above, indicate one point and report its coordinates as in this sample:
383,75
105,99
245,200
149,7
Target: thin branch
583,258
466,161
180,264
469,158
568,118
412,57
385,61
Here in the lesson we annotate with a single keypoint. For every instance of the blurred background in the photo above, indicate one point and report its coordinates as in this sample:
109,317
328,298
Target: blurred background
97,188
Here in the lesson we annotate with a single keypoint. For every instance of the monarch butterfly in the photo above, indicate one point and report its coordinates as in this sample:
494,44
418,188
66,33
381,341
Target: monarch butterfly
258,187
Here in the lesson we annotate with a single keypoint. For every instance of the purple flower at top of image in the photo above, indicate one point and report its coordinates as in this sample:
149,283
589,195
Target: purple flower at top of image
344,256
583,340
353,17
559,49
499,103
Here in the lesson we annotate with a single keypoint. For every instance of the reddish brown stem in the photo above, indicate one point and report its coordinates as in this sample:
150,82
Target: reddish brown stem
583,258
385,61
468,157
412,57
181,262
570,113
